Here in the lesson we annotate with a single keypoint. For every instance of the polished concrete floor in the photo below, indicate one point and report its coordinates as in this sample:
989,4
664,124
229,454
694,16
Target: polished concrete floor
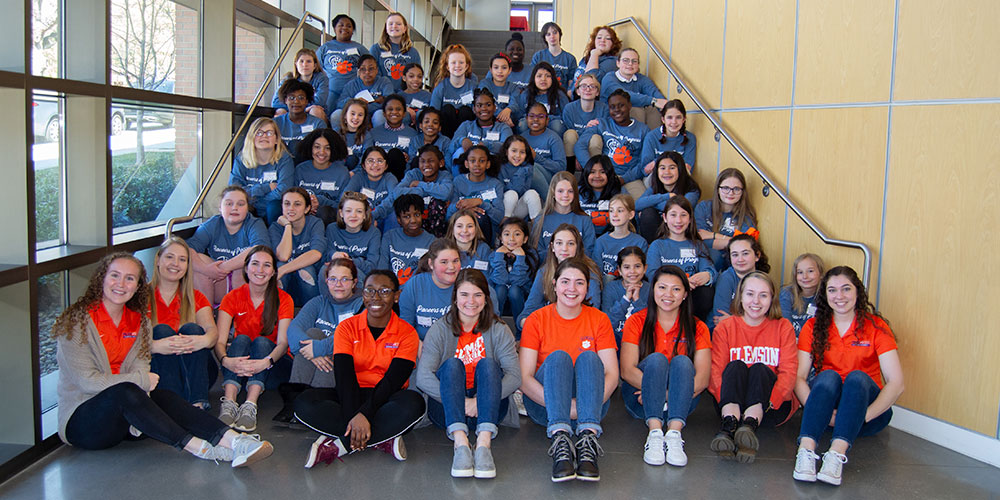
892,464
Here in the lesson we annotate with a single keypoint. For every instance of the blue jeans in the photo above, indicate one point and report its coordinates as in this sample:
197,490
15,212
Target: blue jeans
188,375
658,376
514,295
269,210
256,349
449,413
300,291
850,398
566,380
540,180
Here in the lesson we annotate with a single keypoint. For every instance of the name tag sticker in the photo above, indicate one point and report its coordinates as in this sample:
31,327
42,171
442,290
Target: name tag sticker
492,136
417,103
343,317
425,321
403,142
327,186
811,310
547,109
503,99
271,176
419,252
353,51
688,253
466,98
386,54
604,205
427,200
489,195
368,193
480,264
307,128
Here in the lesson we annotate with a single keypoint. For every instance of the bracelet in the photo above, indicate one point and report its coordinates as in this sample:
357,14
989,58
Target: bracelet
270,362
223,358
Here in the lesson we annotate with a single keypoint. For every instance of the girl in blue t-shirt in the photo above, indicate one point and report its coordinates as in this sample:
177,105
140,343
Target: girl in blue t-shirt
306,70
546,146
671,136
563,62
562,205
368,87
339,58
485,129
681,246
728,213
264,168
511,266
516,168
544,88
478,189
395,50
600,55
393,136
354,126
299,242
453,88
519,72
354,235
417,98
505,91
671,179
628,293
621,211
797,298
324,176
464,230
598,185
374,181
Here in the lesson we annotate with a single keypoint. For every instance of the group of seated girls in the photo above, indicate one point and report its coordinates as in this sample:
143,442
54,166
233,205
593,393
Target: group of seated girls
401,248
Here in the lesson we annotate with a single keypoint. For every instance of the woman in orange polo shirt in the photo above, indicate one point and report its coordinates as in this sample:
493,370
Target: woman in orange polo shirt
185,332
106,391
667,352
858,374
260,314
753,368
374,353
569,369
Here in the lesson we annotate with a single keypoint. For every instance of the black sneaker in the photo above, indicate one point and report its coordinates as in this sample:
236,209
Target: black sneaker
587,451
723,443
563,457
746,440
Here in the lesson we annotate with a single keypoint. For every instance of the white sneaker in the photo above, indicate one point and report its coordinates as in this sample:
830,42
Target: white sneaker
675,449
654,454
249,448
833,468
805,465
518,398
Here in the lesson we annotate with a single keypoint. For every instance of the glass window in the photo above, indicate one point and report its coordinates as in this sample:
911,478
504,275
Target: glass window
256,50
155,164
156,45
544,16
48,111
52,300
46,37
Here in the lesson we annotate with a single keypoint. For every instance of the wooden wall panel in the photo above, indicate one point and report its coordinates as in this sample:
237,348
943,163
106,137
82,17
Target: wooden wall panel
845,51
942,48
837,174
939,277
758,61
706,164
659,29
698,47
764,135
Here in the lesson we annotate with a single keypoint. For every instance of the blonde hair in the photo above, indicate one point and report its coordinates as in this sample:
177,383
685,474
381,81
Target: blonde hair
590,76
405,43
478,238
550,203
248,155
552,262
773,312
185,288
625,199
798,305
457,48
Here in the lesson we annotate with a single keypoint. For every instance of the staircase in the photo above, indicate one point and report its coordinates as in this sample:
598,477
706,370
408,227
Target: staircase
483,44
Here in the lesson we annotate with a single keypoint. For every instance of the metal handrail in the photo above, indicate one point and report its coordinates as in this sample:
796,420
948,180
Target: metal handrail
720,130
246,119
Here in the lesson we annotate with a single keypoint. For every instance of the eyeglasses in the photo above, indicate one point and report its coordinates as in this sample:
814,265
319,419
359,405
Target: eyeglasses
264,133
343,281
588,86
730,190
296,98
629,61
382,292
537,116
375,161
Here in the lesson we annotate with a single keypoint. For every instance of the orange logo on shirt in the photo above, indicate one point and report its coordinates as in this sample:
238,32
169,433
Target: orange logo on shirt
344,67
404,275
396,71
600,219
622,155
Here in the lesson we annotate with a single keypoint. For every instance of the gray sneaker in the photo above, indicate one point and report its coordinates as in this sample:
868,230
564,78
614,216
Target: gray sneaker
485,468
217,453
246,421
228,411
248,448
462,465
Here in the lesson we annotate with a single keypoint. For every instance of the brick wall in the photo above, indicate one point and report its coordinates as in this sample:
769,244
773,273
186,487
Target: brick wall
187,81
251,66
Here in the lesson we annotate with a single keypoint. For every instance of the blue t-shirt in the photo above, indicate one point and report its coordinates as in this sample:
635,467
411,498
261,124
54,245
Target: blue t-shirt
505,95
648,199
339,61
550,153
605,64
516,274
607,247
652,147
312,237
391,62
326,184
725,292
787,311
622,143
517,179
323,313
439,189
641,90
555,110
387,138
479,259
213,239
492,137
381,87
446,93
443,143
417,100
490,190
575,118
375,191
564,64
581,221
618,308
321,87
292,133
685,254
257,181
362,247
400,253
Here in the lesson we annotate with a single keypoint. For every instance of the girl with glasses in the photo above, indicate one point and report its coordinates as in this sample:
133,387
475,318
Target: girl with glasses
728,213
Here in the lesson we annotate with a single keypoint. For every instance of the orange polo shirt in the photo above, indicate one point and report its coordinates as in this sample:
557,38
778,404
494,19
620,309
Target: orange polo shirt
664,341
247,318
170,314
471,348
117,339
856,350
372,356
545,331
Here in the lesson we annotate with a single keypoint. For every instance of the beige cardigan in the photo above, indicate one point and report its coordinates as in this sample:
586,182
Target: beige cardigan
84,369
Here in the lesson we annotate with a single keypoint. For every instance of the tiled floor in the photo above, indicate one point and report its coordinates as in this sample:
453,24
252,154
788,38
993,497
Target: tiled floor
892,464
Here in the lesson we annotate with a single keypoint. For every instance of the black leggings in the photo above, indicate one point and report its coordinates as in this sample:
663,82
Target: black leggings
650,219
452,117
702,298
750,385
320,409
103,420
